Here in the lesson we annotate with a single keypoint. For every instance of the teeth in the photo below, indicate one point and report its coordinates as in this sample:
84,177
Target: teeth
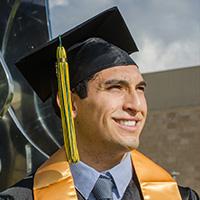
127,123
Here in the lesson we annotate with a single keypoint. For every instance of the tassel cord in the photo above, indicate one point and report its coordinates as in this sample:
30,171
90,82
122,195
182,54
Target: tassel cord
64,93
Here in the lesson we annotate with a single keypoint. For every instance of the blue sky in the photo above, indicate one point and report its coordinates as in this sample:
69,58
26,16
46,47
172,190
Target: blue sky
167,32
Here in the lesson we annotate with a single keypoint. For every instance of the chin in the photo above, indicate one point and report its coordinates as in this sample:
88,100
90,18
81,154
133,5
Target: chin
133,147
130,145
133,144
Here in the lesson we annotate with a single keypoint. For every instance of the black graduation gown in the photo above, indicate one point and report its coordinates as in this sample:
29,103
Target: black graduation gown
23,191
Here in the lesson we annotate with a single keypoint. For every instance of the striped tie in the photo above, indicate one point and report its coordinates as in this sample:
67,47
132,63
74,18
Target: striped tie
103,188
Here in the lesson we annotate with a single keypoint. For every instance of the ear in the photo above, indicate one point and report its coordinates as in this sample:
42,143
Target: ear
74,107
58,100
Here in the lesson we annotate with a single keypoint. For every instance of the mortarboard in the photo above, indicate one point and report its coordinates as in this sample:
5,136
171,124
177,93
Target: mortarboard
108,25
101,42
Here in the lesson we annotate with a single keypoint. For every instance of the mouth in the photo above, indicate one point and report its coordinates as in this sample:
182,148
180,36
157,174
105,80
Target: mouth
127,124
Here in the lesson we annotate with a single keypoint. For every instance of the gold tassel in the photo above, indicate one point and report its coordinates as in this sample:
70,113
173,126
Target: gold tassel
64,94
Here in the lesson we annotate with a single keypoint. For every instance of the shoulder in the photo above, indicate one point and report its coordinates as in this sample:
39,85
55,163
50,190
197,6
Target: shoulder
188,194
20,191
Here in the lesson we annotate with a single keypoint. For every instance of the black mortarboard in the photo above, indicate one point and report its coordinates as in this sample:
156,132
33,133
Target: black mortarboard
101,42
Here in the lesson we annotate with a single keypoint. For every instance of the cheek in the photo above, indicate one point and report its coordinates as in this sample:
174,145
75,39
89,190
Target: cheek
144,103
99,108
111,104
89,110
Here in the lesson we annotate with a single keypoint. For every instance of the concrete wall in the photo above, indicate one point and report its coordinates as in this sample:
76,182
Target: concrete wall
172,133
173,88
172,139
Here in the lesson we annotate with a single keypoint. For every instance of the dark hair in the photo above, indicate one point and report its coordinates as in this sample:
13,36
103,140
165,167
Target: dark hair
80,89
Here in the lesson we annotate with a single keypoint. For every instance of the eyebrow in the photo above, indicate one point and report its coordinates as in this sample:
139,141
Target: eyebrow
116,81
123,82
142,83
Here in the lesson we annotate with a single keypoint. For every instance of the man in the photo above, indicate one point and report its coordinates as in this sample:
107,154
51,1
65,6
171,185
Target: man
109,110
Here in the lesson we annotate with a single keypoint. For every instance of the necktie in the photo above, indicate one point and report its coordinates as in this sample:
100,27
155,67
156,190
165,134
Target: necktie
103,188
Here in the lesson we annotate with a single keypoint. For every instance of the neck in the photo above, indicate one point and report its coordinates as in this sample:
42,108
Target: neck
99,159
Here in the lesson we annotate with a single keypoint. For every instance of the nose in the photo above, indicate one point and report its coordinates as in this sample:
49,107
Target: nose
133,103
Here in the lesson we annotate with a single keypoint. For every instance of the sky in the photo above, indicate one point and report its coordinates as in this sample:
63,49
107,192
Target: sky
167,33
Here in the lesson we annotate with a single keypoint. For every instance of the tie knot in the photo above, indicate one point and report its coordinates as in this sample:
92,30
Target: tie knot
103,188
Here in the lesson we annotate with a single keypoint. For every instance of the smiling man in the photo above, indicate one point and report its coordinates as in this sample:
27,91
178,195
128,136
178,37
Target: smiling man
116,111
109,109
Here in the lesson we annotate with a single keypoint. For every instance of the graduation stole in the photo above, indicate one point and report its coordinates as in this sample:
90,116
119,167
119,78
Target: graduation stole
53,180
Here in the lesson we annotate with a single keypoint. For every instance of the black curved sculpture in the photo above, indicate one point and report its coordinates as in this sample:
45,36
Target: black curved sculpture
27,134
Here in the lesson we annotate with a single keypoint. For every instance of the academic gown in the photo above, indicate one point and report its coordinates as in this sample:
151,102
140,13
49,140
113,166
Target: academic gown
23,191
135,190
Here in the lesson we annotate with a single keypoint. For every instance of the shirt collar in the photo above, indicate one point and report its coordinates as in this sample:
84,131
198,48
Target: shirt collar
85,176
122,174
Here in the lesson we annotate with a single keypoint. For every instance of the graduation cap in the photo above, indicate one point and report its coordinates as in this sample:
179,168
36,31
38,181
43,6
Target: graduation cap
102,42
97,55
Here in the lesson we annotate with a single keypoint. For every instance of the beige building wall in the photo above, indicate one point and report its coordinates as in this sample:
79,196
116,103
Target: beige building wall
172,138
172,133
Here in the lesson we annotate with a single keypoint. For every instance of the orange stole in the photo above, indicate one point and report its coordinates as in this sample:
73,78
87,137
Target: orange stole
155,182
53,180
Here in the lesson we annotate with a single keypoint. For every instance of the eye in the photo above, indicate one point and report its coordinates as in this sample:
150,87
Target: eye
141,88
114,87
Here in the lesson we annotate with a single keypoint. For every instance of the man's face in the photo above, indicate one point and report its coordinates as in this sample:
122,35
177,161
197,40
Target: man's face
113,114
